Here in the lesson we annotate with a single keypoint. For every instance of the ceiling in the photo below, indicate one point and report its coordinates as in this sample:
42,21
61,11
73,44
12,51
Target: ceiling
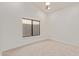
55,6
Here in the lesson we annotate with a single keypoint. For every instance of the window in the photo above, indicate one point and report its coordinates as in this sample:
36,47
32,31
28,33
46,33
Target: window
30,27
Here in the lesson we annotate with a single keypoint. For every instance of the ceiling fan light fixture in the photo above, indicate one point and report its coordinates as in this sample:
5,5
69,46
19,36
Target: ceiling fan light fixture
47,3
47,7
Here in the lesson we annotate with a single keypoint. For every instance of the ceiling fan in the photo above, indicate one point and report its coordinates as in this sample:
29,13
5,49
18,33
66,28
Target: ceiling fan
47,4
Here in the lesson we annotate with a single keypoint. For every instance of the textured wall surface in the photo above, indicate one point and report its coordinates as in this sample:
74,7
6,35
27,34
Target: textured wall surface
64,25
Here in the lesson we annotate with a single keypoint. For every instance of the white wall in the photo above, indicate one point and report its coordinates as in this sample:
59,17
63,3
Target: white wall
64,25
0,35
11,14
61,25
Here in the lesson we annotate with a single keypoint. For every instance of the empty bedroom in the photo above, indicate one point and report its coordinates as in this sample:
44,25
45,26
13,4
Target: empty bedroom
39,28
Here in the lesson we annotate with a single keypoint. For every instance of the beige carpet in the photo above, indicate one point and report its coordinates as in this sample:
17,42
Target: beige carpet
44,48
